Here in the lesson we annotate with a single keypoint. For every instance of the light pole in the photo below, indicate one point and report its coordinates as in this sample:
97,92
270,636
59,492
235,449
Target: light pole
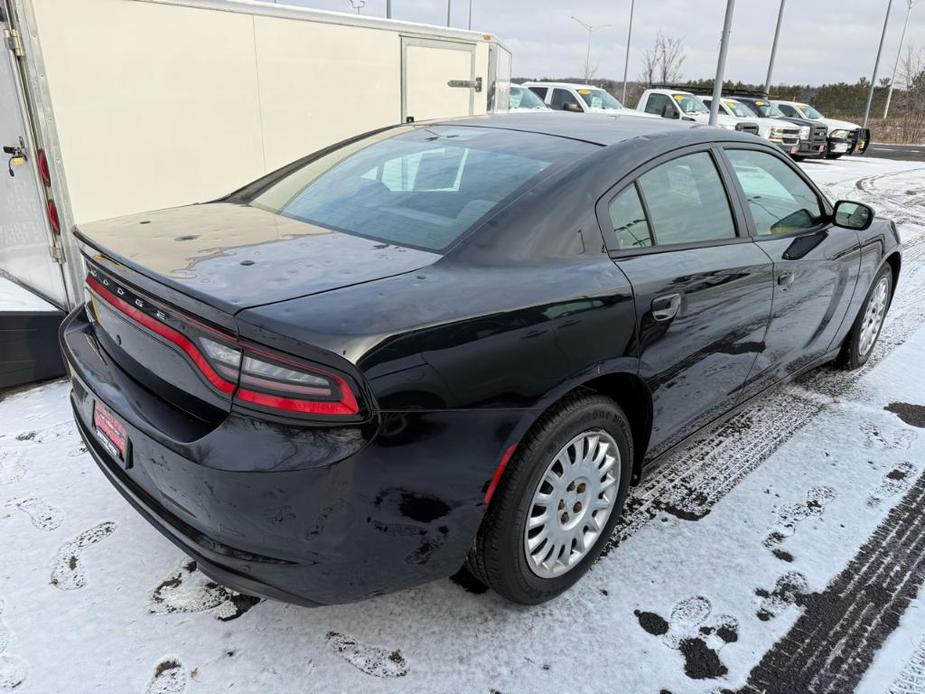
873,77
899,52
721,62
357,4
449,7
780,17
470,15
388,9
626,63
590,29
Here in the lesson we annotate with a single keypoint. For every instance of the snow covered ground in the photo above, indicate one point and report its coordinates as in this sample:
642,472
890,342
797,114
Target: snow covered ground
781,553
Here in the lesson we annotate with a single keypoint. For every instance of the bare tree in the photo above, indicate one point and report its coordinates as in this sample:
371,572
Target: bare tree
662,63
912,74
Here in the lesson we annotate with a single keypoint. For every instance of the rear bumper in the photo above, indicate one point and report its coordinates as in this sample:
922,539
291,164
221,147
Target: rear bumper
309,516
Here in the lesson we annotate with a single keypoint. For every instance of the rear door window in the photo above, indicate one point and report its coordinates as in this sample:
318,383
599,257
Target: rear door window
780,201
540,92
687,201
629,220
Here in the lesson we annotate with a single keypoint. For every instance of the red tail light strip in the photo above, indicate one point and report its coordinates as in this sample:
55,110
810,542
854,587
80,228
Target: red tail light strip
164,331
347,405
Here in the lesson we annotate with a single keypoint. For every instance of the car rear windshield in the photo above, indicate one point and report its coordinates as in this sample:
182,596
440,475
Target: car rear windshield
417,186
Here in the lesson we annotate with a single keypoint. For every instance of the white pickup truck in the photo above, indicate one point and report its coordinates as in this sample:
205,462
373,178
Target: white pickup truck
679,104
782,133
579,98
844,137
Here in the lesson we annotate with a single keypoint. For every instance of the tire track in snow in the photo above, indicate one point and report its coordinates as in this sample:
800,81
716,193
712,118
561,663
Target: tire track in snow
911,679
832,644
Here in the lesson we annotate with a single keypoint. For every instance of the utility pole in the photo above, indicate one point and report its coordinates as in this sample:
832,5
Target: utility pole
873,77
780,17
388,9
590,29
449,7
721,62
470,15
899,53
629,40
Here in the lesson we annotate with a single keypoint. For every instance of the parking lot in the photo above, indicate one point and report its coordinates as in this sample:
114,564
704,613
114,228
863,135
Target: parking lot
780,553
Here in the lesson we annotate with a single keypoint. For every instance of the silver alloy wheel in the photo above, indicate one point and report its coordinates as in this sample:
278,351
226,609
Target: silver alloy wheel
873,316
571,503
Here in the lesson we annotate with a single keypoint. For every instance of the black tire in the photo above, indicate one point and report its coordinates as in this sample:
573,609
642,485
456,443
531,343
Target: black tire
498,558
797,158
851,357
834,156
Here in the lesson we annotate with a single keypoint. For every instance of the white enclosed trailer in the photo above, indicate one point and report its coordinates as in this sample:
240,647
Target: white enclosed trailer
109,107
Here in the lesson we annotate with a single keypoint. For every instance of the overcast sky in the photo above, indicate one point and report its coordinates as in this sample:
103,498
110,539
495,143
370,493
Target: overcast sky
821,40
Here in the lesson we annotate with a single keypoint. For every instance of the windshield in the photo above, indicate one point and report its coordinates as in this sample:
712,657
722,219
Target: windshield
810,112
415,186
598,98
521,97
738,109
767,110
690,104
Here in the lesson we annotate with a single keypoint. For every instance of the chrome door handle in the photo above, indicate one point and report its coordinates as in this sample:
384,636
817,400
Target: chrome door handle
666,307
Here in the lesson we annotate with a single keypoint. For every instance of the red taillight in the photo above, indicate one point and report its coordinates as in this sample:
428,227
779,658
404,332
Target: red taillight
165,331
44,171
252,374
269,380
53,217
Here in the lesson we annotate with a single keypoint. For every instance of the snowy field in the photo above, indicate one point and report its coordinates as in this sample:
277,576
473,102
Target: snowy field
781,553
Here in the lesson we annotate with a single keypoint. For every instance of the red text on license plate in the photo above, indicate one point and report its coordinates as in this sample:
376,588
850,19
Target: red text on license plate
109,431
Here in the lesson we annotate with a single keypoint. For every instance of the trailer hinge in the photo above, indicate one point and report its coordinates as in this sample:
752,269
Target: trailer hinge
56,250
14,42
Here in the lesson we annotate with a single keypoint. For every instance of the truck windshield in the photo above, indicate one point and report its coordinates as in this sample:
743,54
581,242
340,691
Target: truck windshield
598,98
810,112
738,109
767,110
690,104
417,186
521,97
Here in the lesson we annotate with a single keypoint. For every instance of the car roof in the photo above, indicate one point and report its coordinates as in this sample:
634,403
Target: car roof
600,129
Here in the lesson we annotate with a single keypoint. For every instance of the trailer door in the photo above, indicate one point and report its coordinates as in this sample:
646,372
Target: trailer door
25,237
438,78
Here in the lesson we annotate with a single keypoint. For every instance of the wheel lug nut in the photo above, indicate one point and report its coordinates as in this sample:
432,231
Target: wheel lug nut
561,504
565,518
577,507
581,488
571,487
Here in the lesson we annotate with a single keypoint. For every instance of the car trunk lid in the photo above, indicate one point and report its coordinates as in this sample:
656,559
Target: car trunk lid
232,256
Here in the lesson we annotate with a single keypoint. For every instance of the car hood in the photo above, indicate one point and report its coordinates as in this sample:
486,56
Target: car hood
778,123
835,124
233,256
622,112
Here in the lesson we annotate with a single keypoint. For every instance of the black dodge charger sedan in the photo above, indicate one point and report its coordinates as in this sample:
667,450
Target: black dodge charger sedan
454,343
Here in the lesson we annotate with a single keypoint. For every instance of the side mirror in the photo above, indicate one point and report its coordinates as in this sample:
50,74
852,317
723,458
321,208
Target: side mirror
573,108
669,111
853,215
